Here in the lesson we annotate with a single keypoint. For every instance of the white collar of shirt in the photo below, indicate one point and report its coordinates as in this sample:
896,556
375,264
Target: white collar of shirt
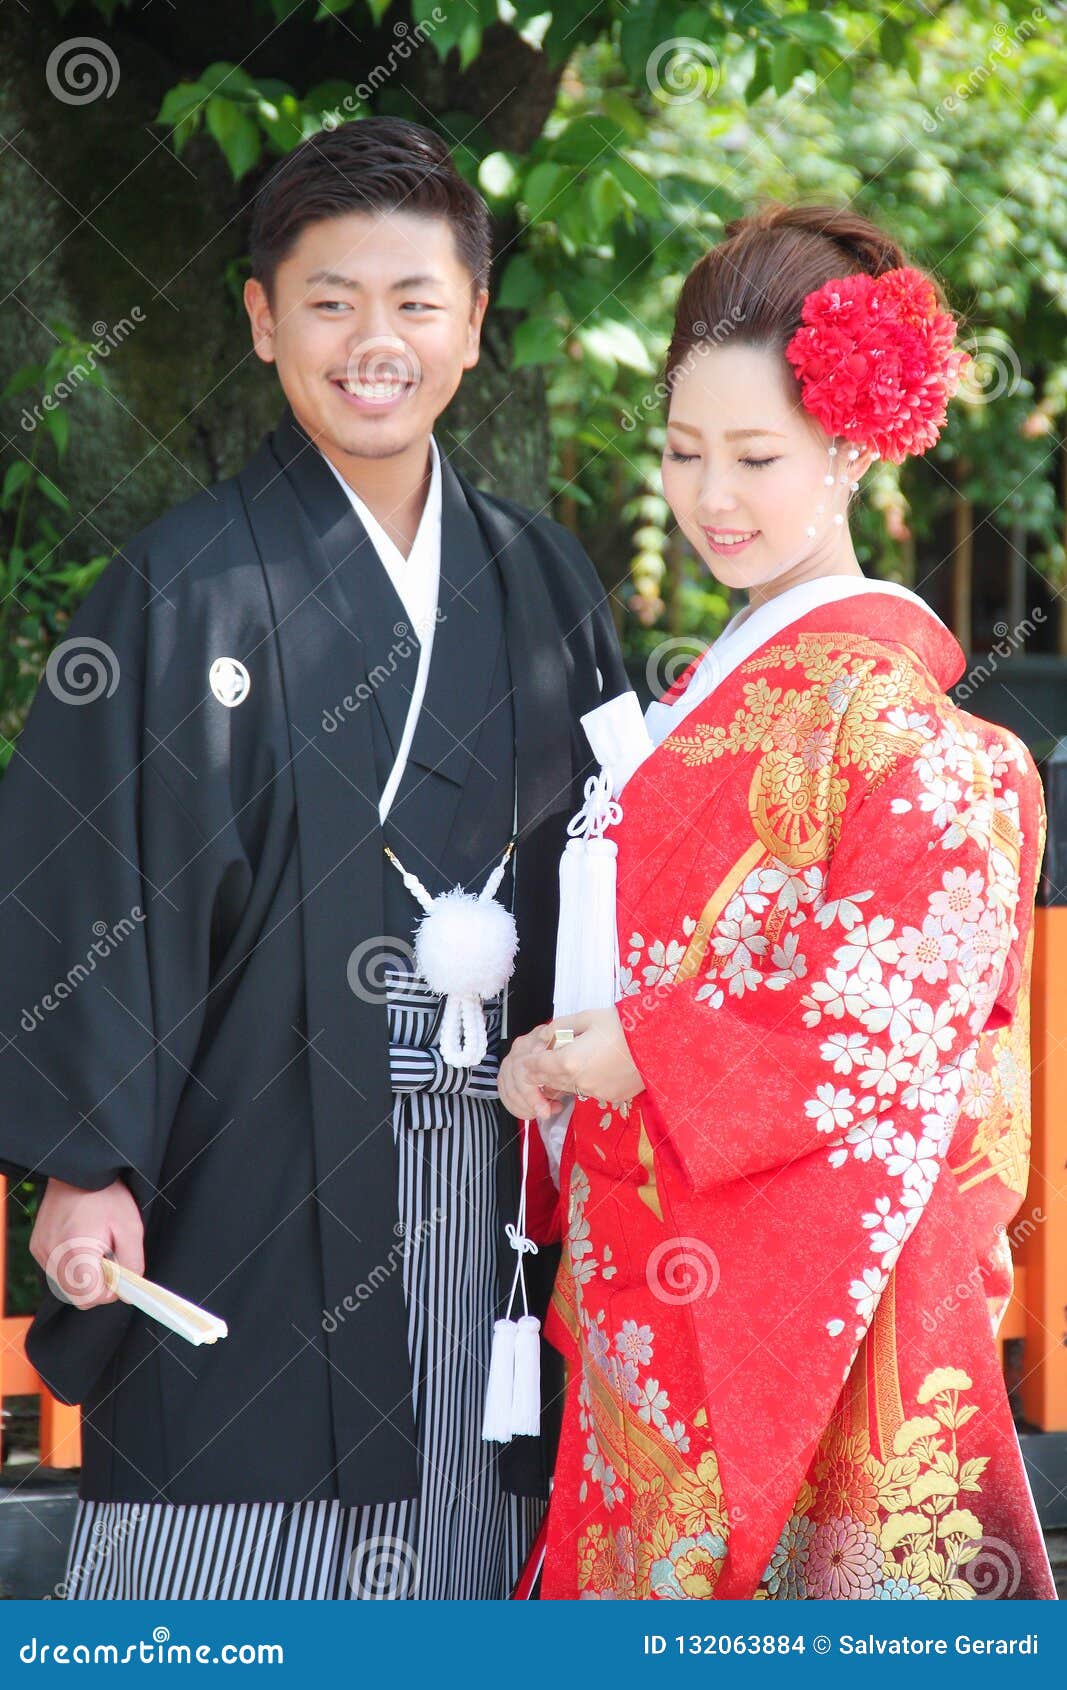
417,576
749,629
417,579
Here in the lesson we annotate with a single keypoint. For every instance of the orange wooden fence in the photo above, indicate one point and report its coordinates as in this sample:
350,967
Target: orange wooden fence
1037,1312
60,1440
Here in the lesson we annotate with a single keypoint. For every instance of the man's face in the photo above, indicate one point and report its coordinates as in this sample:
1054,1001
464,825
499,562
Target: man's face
374,321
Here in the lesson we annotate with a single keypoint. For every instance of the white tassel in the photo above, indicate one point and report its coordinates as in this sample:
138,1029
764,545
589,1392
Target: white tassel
496,1422
526,1396
587,972
599,972
566,992
513,1394
587,947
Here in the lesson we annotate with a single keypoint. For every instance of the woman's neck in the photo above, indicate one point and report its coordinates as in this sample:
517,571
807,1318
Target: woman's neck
814,568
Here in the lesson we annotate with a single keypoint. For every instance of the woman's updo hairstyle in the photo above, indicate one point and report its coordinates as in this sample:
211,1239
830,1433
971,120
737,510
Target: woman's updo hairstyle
750,289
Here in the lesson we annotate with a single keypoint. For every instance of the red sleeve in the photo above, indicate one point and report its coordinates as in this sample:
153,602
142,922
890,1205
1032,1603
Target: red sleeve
869,997
544,1222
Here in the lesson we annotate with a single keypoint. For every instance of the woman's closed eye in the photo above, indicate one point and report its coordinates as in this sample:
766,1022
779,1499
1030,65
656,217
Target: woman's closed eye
750,463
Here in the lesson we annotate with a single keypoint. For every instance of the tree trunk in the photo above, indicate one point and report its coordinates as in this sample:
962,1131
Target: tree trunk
1061,643
1016,577
100,217
962,569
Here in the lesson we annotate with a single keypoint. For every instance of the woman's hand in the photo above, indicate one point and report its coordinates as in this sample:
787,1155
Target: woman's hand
595,1063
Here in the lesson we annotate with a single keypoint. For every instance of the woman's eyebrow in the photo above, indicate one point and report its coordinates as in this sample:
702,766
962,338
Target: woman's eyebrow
731,434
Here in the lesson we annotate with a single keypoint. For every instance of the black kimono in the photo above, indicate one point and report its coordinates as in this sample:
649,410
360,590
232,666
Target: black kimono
189,891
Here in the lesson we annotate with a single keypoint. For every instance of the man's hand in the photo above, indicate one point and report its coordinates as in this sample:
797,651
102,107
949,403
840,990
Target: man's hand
596,1063
75,1228
526,1101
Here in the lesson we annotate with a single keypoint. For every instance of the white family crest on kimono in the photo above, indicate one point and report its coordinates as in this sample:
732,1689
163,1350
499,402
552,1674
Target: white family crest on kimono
229,680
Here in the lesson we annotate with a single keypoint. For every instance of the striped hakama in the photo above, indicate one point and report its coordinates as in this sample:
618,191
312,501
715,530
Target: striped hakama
463,1537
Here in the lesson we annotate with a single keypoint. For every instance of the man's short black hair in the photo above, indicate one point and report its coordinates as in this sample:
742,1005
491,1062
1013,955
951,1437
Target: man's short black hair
368,164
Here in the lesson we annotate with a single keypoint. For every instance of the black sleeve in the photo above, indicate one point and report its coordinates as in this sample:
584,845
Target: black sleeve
597,612
614,679
102,927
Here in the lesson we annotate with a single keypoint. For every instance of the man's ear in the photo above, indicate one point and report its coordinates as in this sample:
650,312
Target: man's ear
474,328
261,318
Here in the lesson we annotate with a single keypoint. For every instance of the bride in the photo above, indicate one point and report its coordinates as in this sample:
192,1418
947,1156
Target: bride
804,1123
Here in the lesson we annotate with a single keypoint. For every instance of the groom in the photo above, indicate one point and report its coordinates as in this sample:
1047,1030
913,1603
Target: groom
237,1087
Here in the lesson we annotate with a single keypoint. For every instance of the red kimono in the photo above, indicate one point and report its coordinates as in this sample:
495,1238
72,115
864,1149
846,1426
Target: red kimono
785,1260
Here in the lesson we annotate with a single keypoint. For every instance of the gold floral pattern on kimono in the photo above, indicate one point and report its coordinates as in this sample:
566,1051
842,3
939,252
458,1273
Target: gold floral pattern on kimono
845,717
669,1537
899,1529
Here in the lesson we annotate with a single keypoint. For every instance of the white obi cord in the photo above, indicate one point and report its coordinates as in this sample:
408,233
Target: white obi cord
587,950
465,951
586,978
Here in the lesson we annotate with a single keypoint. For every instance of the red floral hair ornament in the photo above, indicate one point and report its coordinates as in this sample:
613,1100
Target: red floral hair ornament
876,360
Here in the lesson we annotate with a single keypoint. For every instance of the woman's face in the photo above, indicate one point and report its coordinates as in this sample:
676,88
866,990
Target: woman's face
744,471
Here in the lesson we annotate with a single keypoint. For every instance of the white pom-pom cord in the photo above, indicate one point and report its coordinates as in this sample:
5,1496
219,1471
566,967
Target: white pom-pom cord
464,1038
515,1360
465,951
464,947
